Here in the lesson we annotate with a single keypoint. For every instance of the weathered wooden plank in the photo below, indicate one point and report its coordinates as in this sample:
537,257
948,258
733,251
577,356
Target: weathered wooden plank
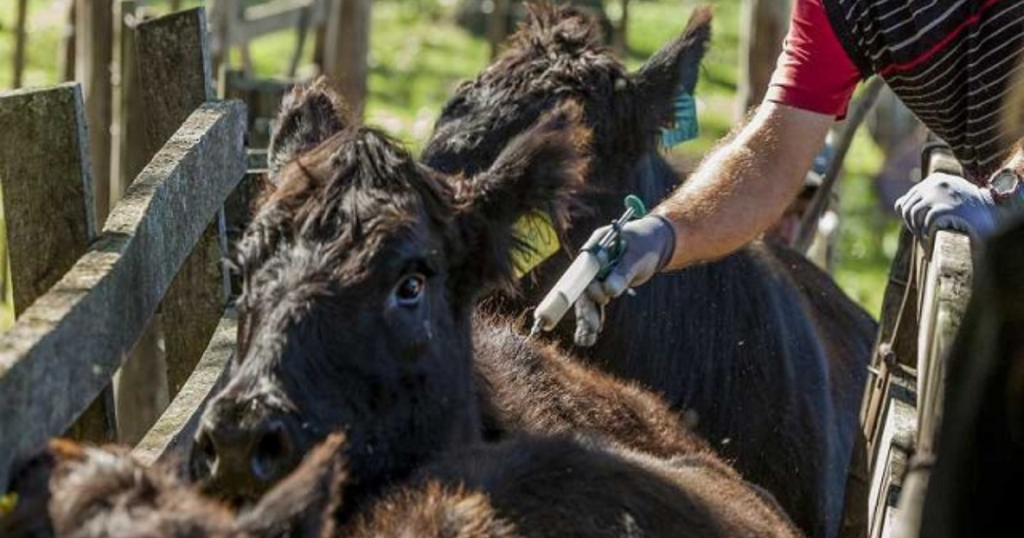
94,43
141,382
131,152
47,186
263,19
890,463
947,290
46,176
175,68
192,307
66,346
172,434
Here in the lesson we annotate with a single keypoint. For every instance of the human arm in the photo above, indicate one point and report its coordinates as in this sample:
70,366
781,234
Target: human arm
736,193
745,185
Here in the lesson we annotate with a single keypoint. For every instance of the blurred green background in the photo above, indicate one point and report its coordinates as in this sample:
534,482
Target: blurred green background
418,55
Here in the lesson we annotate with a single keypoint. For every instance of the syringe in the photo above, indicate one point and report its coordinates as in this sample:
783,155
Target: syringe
587,266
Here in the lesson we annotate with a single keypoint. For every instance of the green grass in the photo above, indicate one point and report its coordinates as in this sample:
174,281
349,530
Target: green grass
868,237
418,55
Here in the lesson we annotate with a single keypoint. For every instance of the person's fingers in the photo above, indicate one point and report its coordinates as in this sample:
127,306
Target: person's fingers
978,229
941,218
918,213
589,321
905,204
595,292
898,206
615,285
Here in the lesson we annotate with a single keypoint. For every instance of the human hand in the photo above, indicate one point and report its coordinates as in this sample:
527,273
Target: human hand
946,202
649,245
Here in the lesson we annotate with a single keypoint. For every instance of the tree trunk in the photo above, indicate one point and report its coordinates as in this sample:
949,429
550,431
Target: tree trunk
766,23
347,48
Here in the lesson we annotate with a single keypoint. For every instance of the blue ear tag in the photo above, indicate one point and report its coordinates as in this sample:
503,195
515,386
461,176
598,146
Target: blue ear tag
684,119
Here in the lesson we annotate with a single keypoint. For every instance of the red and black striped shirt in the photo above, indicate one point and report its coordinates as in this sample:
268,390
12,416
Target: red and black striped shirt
949,61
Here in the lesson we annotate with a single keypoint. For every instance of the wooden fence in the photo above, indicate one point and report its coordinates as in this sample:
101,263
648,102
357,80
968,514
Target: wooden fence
925,301
235,24
85,298
341,29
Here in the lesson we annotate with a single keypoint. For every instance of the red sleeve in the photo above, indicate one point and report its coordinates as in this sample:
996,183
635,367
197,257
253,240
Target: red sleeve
814,72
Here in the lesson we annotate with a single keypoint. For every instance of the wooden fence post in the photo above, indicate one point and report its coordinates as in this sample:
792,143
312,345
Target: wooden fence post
46,185
95,45
763,27
129,157
19,43
174,69
130,152
348,44
497,25
48,205
66,61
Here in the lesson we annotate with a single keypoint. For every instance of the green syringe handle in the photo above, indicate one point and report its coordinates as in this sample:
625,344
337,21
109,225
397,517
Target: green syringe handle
616,246
634,202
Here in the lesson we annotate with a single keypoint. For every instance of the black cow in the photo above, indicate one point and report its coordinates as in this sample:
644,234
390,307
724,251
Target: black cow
361,275
762,347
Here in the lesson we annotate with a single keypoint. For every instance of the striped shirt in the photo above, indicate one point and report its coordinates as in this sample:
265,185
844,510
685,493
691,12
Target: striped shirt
949,61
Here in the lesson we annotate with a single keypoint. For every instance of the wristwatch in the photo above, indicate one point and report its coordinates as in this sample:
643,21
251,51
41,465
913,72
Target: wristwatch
1007,187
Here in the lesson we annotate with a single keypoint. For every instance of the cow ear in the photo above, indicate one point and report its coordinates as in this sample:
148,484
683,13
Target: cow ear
309,498
538,172
309,115
673,69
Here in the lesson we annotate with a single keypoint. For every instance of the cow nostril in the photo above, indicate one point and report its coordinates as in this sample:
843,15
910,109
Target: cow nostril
272,453
204,456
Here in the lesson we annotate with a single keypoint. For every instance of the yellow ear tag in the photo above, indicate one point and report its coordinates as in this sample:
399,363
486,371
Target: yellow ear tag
535,230
8,503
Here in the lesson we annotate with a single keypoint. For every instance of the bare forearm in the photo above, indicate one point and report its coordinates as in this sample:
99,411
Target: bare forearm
745,185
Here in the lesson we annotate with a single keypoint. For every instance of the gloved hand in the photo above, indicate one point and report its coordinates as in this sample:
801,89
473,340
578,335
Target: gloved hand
650,243
945,202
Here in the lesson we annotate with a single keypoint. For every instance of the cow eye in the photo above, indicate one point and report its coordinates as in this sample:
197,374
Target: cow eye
410,290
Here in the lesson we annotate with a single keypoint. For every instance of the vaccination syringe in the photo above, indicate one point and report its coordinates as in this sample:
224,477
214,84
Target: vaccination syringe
588,265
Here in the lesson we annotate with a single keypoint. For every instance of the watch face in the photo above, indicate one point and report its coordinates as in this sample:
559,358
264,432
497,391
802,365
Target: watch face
1005,181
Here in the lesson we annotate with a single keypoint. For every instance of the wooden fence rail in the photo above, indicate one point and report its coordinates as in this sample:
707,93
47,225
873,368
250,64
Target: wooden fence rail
174,431
64,349
235,23
88,299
